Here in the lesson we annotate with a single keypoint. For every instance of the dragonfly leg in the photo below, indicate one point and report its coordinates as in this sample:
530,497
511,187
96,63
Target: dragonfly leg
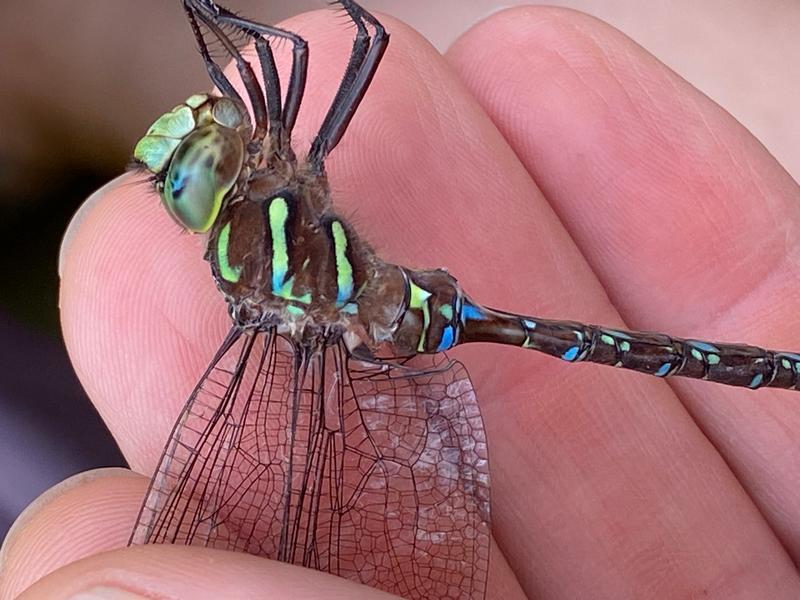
365,57
363,355
281,118
208,14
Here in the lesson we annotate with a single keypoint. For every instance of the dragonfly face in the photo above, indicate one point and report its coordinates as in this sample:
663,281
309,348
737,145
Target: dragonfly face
196,154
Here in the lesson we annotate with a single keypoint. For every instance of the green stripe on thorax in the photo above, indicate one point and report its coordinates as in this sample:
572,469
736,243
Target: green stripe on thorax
278,215
419,300
278,222
344,270
228,272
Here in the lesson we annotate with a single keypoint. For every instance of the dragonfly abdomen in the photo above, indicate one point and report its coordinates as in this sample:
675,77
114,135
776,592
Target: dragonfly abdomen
438,316
652,353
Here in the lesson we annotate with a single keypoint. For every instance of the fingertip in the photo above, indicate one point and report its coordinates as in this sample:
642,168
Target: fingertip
85,514
140,314
74,227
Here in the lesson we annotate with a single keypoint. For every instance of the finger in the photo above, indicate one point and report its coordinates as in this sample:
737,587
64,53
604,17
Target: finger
141,314
166,571
435,184
689,222
90,514
539,75
94,512
86,514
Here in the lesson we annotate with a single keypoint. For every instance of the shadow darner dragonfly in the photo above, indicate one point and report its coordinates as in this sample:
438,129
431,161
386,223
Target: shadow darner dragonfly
330,429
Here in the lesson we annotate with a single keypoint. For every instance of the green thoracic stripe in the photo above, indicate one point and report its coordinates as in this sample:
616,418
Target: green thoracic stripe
228,272
344,270
287,292
295,310
418,296
419,300
281,286
278,214
426,324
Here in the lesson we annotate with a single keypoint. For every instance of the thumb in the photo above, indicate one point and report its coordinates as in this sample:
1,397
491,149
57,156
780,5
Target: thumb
165,571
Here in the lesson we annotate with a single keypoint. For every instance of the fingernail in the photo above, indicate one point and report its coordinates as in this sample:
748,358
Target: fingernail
104,592
78,218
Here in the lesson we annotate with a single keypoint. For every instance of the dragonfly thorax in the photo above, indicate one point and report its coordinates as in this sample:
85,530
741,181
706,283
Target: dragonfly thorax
281,261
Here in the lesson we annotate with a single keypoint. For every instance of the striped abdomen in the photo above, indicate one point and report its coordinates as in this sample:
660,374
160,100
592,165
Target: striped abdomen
439,316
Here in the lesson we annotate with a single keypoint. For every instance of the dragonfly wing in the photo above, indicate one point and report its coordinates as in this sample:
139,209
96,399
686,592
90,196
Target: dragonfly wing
218,471
377,473
422,501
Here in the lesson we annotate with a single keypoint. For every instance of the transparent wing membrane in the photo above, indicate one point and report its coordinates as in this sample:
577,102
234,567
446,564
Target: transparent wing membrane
373,472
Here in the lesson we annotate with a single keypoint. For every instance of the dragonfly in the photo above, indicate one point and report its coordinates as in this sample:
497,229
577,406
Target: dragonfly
330,429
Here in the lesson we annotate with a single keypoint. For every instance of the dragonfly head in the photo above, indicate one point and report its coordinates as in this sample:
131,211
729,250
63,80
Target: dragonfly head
196,153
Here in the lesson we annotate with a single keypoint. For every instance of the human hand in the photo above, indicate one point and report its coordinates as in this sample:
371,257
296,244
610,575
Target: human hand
571,169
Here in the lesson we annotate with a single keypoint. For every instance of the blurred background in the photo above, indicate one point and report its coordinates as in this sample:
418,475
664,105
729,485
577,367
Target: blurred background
83,80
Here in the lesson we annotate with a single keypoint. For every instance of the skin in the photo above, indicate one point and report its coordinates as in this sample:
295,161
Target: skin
555,168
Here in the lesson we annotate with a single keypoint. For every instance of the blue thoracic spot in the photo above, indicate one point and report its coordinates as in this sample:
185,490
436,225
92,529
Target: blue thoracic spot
663,370
470,312
447,339
704,346
571,353
756,381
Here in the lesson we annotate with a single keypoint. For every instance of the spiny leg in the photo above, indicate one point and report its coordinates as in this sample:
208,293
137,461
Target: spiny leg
281,118
365,57
218,78
208,12
357,55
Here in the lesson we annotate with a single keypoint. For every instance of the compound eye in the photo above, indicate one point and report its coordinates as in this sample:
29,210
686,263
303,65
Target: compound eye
202,171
